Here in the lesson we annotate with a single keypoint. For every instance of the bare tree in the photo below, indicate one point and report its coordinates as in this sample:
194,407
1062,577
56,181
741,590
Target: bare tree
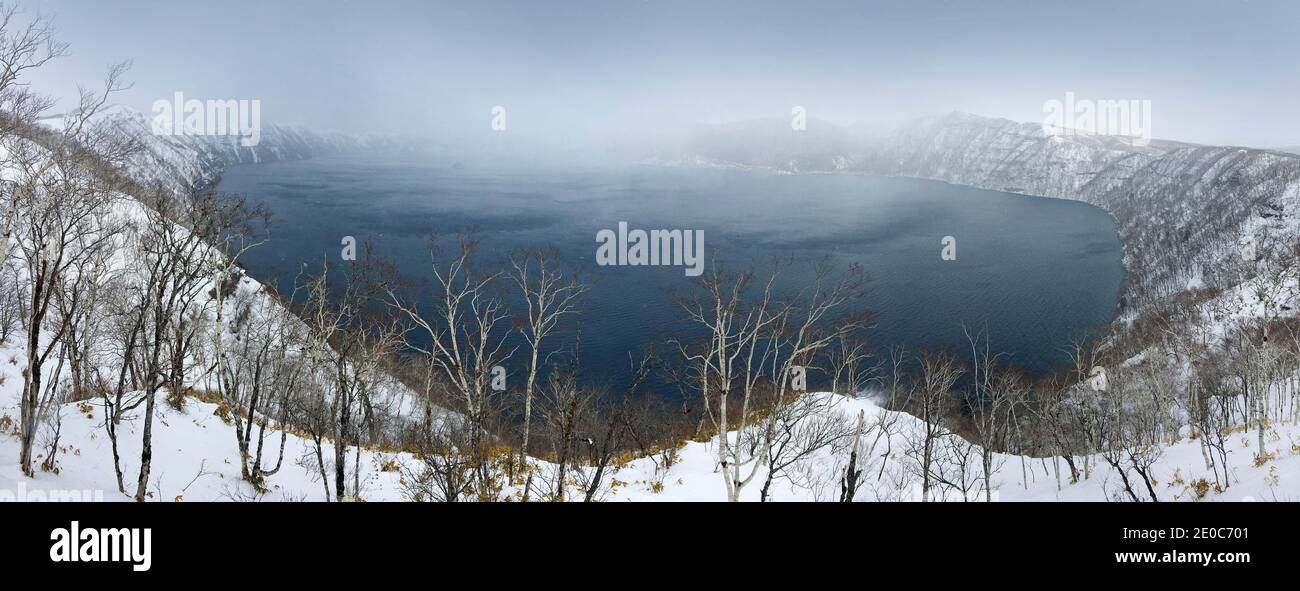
10,302
549,295
800,429
59,188
348,345
850,362
995,391
852,473
257,373
731,362
163,299
757,342
445,470
23,47
610,425
567,406
1132,420
930,399
462,338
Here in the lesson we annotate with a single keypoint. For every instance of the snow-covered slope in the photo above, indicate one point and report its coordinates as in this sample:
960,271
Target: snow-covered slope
180,439
196,458
891,472
198,440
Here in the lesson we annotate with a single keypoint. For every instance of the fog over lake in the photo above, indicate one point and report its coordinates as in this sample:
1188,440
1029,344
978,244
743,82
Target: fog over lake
1037,272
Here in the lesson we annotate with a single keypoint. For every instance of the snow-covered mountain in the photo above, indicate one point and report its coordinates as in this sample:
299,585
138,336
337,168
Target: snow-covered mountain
1179,208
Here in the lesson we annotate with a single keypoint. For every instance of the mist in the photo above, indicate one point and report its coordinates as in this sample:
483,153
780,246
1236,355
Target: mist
580,77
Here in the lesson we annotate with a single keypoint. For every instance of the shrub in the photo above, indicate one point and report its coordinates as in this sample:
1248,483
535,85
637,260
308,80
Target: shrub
1201,487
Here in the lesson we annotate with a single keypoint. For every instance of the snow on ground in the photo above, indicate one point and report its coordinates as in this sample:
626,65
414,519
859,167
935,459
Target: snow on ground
195,456
196,459
693,477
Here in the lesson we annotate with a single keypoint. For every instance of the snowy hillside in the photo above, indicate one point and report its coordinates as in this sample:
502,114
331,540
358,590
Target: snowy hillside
196,459
182,439
120,260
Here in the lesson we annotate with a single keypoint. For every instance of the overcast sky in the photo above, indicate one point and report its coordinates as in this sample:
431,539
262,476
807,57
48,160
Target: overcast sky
1215,72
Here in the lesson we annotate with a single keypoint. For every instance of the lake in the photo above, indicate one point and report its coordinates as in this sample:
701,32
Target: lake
1036,272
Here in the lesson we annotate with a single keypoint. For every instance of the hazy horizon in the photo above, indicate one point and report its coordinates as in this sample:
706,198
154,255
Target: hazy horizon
578,74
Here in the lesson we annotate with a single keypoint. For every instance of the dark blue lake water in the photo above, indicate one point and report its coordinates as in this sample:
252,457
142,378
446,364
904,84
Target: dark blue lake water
1036,272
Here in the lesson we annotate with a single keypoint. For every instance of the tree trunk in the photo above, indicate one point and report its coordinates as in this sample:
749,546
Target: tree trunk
32,377
340,453
146,452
